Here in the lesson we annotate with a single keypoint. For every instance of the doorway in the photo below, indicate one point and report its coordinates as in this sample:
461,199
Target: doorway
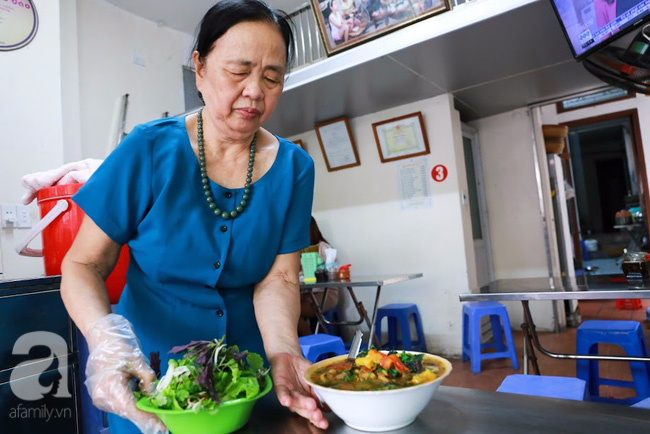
477,206
605,163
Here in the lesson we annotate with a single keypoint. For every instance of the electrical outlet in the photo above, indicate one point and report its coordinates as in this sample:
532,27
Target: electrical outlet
23,217
9,217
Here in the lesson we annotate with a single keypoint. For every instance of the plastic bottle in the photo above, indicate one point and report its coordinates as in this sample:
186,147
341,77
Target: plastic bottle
321,274
344,272
332,271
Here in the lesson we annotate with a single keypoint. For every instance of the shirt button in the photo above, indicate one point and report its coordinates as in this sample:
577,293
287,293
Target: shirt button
217,265
224,228
219,313
228,194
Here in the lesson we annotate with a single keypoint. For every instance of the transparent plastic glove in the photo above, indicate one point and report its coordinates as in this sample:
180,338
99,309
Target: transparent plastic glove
115,360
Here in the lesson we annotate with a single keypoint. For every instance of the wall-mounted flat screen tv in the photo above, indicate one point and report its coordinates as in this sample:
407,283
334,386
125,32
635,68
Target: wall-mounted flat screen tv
591,24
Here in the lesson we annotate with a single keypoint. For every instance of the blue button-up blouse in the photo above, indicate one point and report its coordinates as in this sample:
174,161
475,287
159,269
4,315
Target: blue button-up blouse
191,274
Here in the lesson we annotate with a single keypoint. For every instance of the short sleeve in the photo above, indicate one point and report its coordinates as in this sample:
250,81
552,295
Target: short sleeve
118,195
295,234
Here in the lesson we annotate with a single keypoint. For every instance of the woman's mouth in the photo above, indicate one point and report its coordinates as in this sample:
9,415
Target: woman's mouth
248,112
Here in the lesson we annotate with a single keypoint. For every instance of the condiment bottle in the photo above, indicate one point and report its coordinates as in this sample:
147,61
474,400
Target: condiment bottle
344,272
332,273
321,274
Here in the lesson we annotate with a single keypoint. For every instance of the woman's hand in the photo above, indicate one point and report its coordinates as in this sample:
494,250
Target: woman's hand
292,390
115,360
277,309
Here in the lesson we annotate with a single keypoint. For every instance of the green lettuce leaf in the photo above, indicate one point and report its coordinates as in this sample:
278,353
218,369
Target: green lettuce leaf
208,374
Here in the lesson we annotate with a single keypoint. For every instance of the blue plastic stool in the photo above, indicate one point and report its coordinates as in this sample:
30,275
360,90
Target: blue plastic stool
546,386
315,347
401,314
585,252
642,404
331,315
629,336
472,314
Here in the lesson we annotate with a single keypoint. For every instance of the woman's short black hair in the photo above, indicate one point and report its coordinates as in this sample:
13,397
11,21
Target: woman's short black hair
227,13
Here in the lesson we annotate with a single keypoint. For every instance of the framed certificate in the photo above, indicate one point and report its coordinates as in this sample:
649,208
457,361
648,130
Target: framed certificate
401,137
336,142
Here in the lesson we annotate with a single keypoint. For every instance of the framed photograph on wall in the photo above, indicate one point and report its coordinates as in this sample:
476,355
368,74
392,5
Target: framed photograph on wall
336,142
401,137
345,23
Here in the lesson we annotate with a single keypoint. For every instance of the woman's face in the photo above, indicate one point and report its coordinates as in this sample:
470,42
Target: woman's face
242,77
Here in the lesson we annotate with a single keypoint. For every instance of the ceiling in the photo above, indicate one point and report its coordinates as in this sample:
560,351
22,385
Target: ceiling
502,61
499,63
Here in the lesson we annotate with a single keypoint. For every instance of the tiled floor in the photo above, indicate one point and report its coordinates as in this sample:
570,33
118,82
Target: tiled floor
494,371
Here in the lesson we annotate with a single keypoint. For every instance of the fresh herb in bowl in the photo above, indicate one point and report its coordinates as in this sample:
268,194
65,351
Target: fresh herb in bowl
208,375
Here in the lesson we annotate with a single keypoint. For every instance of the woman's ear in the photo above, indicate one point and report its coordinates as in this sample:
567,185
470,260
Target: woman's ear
198,63
198,68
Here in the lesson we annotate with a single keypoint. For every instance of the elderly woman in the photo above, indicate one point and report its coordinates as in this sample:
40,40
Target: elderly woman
215,210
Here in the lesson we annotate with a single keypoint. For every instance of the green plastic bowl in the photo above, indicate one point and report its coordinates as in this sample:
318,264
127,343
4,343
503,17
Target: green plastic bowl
228,417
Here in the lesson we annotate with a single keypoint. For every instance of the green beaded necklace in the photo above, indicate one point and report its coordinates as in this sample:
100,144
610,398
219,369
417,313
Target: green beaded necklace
206,181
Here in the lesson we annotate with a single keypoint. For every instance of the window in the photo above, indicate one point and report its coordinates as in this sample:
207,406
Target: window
592,99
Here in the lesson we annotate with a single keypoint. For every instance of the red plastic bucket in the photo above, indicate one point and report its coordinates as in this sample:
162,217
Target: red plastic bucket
59,234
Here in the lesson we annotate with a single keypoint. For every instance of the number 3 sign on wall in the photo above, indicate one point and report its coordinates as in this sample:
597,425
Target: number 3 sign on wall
439,173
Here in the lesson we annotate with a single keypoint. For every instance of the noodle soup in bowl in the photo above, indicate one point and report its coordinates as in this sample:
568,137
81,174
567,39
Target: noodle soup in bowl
377,392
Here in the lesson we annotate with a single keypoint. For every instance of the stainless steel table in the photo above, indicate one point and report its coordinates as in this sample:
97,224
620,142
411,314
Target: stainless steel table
376,281
457,410
595,287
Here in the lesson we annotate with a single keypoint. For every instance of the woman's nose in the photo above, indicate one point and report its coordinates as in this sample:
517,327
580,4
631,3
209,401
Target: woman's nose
253,88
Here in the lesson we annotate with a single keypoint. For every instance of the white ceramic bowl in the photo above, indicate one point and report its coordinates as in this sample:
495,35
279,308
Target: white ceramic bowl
381,410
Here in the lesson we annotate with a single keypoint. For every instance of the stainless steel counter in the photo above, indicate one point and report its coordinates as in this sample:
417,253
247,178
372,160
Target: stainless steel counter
596,287
457,410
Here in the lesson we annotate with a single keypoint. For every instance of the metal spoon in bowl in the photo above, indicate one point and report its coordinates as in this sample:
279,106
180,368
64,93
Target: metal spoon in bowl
355,345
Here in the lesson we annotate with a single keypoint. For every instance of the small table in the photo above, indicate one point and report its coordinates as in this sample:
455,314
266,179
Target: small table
374,280
595,287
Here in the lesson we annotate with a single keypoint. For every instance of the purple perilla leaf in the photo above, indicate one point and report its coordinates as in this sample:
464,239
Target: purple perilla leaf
191,346
205,355
206,379
154,358
239,356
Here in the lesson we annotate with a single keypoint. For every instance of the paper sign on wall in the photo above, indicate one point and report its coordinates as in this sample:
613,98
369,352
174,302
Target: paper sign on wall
414,184
18,24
